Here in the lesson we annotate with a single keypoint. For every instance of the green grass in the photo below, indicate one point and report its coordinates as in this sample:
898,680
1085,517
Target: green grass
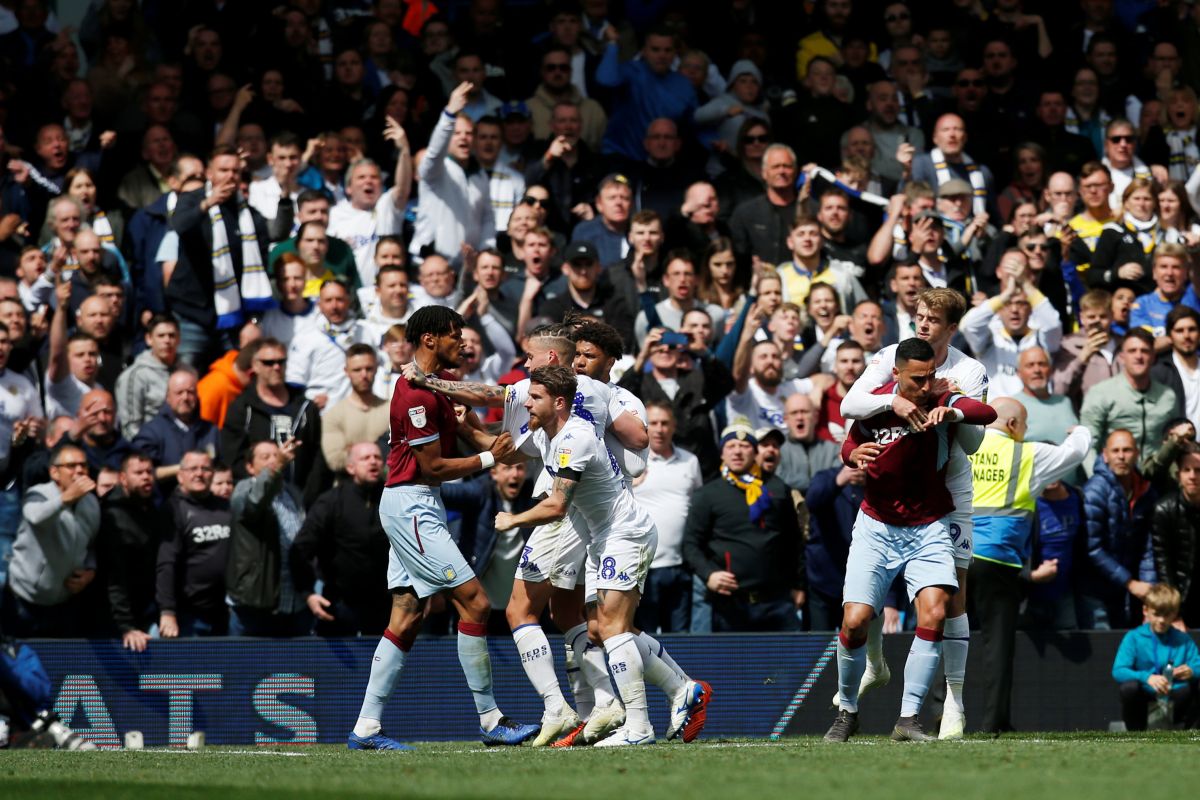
1091,766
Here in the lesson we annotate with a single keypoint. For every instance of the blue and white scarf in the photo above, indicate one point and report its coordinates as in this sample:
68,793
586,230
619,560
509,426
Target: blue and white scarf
231,300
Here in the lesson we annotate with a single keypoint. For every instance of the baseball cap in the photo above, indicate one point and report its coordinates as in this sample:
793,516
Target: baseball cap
955,187
580,251
515,108
739,429
930,214
762,434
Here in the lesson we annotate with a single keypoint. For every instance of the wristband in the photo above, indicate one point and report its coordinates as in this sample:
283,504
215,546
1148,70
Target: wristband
487,460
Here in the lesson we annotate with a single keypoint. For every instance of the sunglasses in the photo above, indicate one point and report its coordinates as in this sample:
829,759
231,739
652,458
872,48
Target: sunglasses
972,82
1121,139
528,200
272,362
1041,247
757,140
557,67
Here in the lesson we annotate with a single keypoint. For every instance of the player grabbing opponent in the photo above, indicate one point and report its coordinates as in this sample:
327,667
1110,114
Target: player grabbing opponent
902,525
938,314
588,487
423,428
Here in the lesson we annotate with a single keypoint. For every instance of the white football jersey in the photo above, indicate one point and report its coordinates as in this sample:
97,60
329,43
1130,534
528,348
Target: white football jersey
602,504
968,377
632,463
592,401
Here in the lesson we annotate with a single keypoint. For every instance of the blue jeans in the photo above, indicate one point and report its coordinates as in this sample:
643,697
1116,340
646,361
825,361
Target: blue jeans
10,518
739,615
209,623
666,604
702,616
200,346
256,622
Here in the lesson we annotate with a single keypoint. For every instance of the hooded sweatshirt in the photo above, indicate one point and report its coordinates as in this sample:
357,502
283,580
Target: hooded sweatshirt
219,388
141,391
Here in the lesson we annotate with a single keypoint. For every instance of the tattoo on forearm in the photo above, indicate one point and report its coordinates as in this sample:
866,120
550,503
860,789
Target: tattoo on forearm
482,391
567,487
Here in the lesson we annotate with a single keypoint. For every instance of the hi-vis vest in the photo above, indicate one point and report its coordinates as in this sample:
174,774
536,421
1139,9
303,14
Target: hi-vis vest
1004,503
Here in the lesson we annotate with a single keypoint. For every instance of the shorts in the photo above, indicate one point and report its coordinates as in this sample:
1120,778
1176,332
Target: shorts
961,528
619,561
879,551
554,553
426,558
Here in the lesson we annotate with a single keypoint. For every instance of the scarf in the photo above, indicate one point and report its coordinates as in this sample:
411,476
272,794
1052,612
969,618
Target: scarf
752,484
899,242
1147,232
974,175
102,227
229,299
324,46
1185,155
1071,123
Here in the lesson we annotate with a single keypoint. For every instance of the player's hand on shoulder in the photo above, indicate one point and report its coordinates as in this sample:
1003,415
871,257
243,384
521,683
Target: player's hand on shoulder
937,416
909,411
413,374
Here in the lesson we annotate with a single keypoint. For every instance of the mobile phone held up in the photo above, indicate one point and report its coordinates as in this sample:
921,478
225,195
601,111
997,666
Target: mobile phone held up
676,340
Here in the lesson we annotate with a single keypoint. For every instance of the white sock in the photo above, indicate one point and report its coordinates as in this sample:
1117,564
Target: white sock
875,645
656,647
655,669
595,672
574,643
923,658
386,666
852,663
490,719
538,661
625,664
955,644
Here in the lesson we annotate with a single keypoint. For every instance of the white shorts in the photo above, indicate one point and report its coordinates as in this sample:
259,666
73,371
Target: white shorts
423,555
619,562
961,528
554,553
879,551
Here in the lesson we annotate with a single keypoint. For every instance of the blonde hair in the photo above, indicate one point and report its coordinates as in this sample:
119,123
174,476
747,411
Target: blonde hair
1096,300
949,300
1163,599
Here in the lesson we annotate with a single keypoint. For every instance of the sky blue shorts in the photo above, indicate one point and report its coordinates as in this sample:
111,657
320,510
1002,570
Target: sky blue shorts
423,555
879,551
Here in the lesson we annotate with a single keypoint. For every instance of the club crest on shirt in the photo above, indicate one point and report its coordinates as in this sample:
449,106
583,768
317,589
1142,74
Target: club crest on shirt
417,415
564,458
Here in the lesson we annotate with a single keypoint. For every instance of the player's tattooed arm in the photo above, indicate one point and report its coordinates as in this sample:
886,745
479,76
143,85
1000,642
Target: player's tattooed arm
552,507
467,393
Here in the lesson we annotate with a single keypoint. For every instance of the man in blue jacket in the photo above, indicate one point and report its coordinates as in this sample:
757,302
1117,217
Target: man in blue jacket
1119,506
1157,661
177,429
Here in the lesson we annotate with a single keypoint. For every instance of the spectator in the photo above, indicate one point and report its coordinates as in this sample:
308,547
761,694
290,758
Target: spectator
342,540
665,490
228,376
312,248
1175,535
1157,662
811,262
317,356
73,367
1127,246
176,429
742,538
725,114
368,212
274,196
1088,356
679,280
1119,504
849,363
804,454
948,160
397,352
760,227
95,432
1050,416
469,71
390,306
609,230
906,283
556,89
1019,318
1060,537
1095,186
142,387
1132,401
435,284
190,583
833,498
506,186
1179,368
271,411
267,514
1170,274
53,558
889,133
646,89
296,312
660,180
312,205
131,526
455,208
360,416
1120,156
587,294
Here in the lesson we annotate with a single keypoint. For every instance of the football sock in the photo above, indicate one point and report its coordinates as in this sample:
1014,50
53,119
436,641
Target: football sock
922,663
852,663
538,661
477,666
657,671
386,666
625,664
656,647
875,645
956,642
595,672
575,642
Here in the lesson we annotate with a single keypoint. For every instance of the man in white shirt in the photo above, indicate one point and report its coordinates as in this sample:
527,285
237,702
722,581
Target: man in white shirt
266,195
455,206
759,389
665,491
391,307
506,186
295,312
317,357
679,279
368,212
435,285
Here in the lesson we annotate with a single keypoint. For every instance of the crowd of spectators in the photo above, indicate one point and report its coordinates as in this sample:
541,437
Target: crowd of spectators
216,217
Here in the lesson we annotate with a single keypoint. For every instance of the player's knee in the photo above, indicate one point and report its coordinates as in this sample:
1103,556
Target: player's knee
594,631
856,620
518,612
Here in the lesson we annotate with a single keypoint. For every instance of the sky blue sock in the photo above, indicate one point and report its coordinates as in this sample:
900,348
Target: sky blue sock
386,667
923,658
852,663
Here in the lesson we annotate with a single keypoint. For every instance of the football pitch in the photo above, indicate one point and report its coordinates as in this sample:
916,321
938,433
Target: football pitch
1014,767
